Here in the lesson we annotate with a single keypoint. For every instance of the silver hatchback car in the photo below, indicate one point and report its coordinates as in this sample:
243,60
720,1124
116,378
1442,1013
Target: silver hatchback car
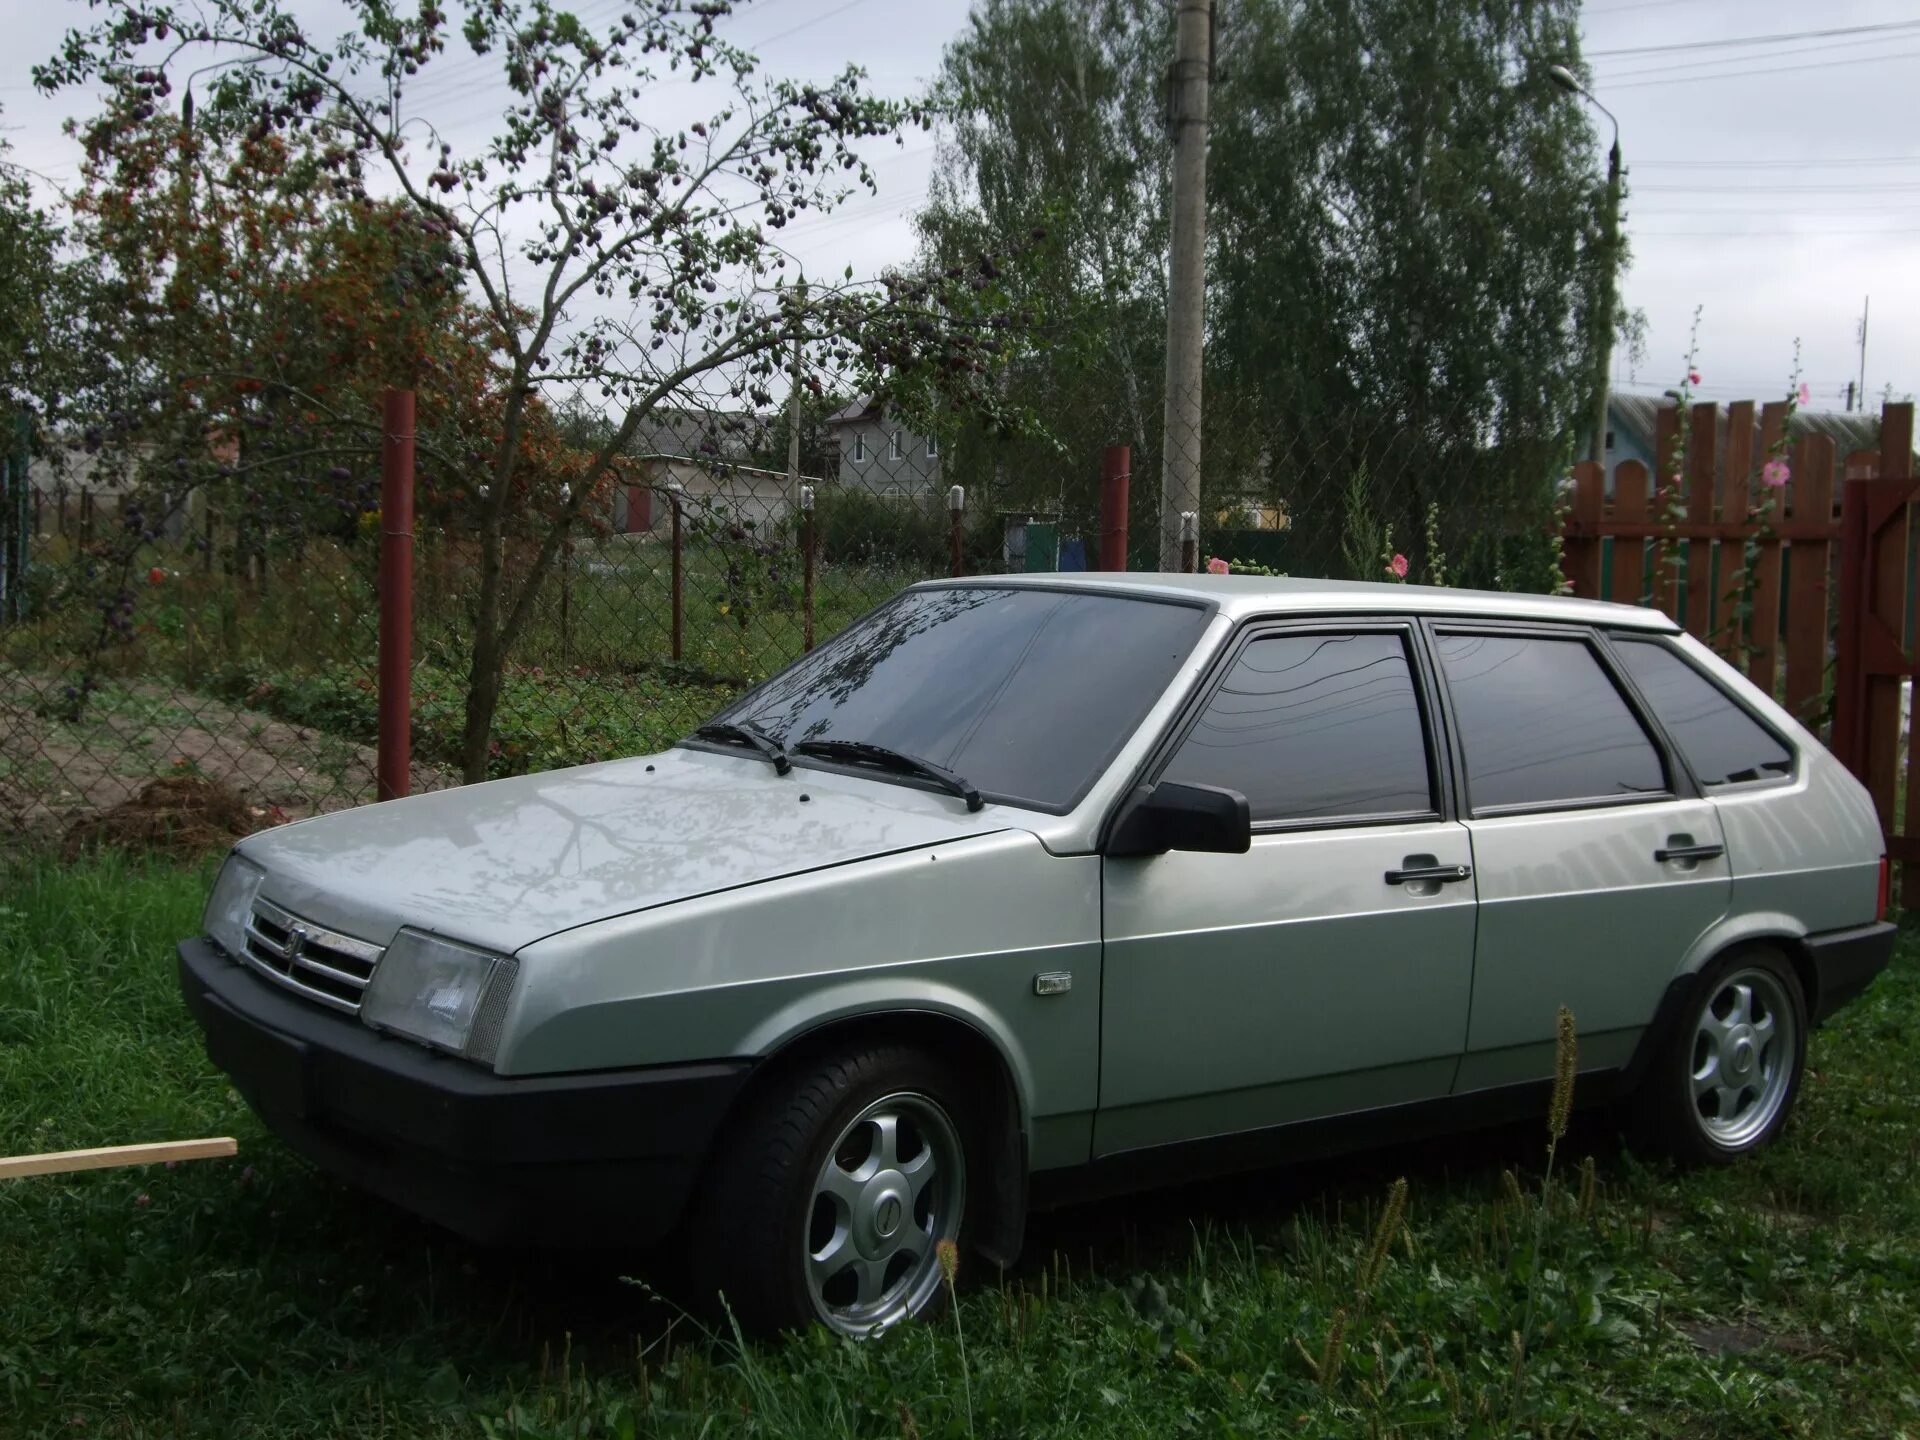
1026,887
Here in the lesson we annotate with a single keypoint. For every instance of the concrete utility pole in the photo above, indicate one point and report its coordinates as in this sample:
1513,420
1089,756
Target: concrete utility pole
1609,260
1186,273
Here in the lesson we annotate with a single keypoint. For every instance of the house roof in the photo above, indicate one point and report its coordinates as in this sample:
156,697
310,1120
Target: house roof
1639,416
862,408
698,434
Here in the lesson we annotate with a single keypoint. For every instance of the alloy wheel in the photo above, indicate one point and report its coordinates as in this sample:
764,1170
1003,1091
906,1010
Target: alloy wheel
891,1189
1745,1047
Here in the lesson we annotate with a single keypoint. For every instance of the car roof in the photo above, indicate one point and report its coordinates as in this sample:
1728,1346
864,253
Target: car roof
1241,596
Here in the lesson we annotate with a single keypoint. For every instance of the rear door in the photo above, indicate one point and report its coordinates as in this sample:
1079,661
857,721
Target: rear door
1328,969
1599,863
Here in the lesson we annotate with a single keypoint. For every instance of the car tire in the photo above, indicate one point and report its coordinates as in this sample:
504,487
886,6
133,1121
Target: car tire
832,1194
1728,1069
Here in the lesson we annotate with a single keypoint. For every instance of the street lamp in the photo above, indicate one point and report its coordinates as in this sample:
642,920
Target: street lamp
1610,243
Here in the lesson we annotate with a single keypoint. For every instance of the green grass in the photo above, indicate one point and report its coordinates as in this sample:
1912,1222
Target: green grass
256,1297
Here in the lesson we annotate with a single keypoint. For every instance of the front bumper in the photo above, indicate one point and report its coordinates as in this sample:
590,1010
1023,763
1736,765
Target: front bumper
1845,962
607,1158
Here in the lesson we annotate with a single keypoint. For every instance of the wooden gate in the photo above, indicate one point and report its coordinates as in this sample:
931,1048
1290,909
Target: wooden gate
1872,704
1750,571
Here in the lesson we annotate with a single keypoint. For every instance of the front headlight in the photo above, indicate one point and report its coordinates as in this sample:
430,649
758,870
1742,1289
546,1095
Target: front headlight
441,993
231,905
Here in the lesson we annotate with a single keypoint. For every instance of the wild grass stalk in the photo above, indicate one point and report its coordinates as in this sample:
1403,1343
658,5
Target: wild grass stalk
1566,1063
949,1256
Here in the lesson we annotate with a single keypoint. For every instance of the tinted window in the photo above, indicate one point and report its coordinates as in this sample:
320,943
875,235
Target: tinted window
1026,693
1723,744
1541,722
1314,727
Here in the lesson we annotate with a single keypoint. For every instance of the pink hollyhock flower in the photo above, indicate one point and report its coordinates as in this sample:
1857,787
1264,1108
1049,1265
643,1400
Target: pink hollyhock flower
1775,474
1216,566
1397,567
142,1201
1803,394
1693,377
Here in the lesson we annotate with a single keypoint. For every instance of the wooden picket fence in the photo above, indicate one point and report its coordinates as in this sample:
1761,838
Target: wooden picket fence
1809,590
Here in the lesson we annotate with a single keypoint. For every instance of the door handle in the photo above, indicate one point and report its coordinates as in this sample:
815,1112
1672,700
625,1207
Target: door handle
1441,874
1689,852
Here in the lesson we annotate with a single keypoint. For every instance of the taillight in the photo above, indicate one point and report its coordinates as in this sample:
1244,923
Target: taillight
1886,880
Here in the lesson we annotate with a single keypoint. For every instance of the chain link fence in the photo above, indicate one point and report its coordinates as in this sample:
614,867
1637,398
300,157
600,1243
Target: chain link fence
227,631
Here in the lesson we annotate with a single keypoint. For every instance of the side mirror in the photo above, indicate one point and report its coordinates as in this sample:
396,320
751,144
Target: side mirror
1183,817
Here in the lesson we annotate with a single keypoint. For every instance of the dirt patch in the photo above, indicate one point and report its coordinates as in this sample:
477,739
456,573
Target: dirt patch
57,771
184,815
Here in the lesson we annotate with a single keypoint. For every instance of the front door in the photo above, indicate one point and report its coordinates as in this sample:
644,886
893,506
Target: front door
1327,970
1598,866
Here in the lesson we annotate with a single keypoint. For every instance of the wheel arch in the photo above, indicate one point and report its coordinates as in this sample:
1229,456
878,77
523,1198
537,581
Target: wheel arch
1761,929
955,1035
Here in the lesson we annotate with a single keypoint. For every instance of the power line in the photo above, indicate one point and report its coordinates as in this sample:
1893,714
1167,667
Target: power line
1793,187
805,24
1758,234
1757,39
1736,212
1773,70
1703,65
1745,163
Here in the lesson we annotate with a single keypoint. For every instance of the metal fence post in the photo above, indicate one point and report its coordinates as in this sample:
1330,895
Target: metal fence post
806,567
1115,481
679,564
566,591
1189,542
956,535
396,597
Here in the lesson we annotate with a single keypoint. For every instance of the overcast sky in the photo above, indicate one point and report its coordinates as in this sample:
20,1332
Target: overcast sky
1775,185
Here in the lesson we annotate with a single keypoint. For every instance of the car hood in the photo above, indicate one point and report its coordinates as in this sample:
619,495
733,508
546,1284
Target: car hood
506,863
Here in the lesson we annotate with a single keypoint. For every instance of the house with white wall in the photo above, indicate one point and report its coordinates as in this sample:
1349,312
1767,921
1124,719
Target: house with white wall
881,454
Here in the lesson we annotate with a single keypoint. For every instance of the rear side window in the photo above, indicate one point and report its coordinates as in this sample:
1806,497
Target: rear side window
1542,723
1724,745
1315,727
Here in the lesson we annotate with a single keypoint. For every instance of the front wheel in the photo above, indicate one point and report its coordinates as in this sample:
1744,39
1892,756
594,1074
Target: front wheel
830,1199
1728,1073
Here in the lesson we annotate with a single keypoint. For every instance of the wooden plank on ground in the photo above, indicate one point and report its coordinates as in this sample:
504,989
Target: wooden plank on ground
106,1157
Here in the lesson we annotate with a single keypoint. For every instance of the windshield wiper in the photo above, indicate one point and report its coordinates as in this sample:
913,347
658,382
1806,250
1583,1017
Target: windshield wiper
865,752
747,733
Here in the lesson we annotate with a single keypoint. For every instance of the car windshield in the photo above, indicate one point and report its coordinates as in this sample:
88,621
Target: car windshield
1026,693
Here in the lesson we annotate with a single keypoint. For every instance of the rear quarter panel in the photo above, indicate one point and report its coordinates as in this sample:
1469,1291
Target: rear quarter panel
1805,853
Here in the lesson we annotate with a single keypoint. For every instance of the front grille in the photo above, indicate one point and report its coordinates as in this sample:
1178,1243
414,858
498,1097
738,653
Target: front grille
316,962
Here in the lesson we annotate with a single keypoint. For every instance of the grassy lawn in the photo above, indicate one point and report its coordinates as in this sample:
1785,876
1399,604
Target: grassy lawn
255,1297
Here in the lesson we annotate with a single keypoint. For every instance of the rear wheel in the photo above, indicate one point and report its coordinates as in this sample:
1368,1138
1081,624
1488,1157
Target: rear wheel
829,1199
1727,1074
